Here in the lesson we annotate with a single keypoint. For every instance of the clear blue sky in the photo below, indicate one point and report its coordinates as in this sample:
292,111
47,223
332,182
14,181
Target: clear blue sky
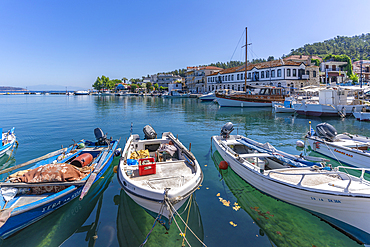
72,42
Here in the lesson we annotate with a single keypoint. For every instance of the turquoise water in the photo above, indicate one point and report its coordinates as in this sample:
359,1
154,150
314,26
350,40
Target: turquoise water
45,122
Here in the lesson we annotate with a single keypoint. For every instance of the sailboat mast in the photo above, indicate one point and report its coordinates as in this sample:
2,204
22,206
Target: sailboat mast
246,59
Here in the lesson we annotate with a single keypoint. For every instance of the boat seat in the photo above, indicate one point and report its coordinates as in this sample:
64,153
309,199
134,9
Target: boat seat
259,155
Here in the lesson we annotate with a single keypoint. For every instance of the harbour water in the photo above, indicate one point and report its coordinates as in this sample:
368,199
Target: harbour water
225,211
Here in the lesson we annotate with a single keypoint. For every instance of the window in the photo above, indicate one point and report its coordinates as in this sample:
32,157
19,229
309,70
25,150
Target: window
232,77
237,76
262,74
279,84
267,74
228,86
249,75
213,87
288,72
232,87
272,73
314,73
307,72
279,73
301,84
238,87
242,77
209,88
294,72
223,78
228,78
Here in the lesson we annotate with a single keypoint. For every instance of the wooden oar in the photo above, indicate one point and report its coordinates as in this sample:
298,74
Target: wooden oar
46,156
97,169
76,183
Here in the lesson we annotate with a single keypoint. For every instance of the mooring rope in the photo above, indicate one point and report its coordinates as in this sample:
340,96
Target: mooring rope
173,208
155,222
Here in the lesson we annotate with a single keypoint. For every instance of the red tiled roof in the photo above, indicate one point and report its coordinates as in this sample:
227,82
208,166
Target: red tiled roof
269,64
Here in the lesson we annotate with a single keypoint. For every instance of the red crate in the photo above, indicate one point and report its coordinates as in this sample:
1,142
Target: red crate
148,167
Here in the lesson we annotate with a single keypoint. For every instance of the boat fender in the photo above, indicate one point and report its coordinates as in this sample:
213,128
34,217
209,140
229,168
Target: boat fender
223,165
115,169
117,153
82,160
299,143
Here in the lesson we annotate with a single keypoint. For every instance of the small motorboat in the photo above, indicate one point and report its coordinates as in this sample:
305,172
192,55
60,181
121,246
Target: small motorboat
8,141
28,195
351,149
362,116
159,174
332,194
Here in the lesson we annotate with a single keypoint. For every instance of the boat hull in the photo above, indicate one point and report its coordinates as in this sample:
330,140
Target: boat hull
362,116
241,103
346,155
321,110
348,213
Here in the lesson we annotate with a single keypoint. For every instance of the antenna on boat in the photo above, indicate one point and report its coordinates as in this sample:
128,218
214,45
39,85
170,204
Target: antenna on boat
131,128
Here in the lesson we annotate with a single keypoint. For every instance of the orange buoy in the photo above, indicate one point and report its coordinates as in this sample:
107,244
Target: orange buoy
223,165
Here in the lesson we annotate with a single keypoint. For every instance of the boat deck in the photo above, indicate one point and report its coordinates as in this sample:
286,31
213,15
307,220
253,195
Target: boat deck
308,181
169,174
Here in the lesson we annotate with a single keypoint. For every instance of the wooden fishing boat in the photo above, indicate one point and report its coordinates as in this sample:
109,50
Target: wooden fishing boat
351,149
333,195
29,195
8,141
158,174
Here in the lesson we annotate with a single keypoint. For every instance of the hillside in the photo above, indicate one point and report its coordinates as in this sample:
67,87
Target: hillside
353,47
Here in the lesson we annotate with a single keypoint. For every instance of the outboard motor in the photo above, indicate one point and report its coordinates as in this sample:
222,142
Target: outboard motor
227,129
326,131
99,135
149,132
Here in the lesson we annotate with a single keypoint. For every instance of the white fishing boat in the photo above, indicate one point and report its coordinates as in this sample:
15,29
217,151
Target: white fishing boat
176,94
362,116
8,141
332,102
82,92
286,107
333,195
158,174
353,150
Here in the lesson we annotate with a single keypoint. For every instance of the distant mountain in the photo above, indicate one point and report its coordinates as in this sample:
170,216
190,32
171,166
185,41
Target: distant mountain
6,88
44,87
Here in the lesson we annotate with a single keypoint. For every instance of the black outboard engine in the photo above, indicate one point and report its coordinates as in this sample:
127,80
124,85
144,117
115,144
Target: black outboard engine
227,129
149,132
99,135
326,131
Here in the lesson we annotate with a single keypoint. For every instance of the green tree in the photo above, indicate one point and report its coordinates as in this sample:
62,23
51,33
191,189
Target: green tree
148,86
156,86
124,79
270,58
98,84
133,87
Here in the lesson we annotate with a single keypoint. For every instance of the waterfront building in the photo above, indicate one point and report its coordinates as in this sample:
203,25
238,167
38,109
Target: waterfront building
164,79
195,80
279,73
362,68
333,72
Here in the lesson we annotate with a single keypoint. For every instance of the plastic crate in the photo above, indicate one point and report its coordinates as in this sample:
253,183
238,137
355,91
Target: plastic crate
147,166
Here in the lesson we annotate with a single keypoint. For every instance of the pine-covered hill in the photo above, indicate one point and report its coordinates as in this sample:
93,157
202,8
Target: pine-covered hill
356,47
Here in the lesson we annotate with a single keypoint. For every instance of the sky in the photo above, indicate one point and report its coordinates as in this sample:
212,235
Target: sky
72,42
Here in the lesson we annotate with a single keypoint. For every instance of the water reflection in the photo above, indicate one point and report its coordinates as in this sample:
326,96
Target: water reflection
57,227
134,223
283,224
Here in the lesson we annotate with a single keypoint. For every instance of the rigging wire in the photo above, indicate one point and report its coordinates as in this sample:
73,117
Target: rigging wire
237,45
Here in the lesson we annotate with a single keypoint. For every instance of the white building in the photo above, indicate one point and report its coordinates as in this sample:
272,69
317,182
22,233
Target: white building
195,80
279,73
164,79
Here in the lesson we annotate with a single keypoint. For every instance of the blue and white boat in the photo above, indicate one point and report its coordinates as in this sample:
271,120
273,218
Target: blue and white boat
8,141
29,195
